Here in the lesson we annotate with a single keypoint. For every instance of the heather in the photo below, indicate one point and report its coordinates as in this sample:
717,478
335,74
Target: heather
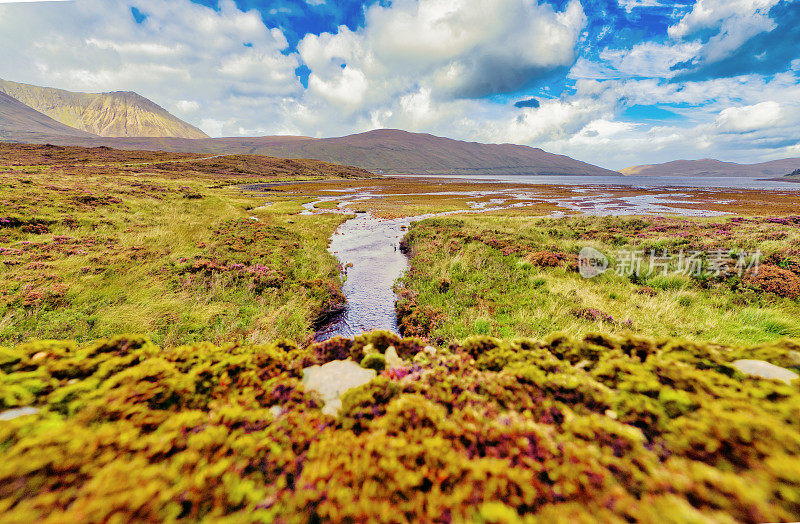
512,276
97,242
602,427
520,390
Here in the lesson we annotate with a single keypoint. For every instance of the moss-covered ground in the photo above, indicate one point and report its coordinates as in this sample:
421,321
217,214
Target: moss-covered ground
634,411
600,428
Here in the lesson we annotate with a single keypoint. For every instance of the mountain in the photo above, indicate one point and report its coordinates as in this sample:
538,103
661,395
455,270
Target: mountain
395,151
18,121
387,151
118,114
711,168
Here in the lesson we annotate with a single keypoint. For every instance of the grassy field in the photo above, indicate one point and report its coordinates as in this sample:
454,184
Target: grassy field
98,243
517,276
173,392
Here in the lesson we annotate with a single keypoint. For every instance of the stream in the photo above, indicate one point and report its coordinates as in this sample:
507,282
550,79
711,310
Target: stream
368,248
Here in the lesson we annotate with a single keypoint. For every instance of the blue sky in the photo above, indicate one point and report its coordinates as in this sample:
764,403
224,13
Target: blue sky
612,82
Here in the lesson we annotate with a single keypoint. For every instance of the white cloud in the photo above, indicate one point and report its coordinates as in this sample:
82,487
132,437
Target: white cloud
630,5
420,65
750,118
347,87
182,49
187,106
734,22
650,59
465,48
712,13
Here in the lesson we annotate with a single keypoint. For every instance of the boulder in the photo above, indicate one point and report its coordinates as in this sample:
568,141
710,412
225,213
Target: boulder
392,359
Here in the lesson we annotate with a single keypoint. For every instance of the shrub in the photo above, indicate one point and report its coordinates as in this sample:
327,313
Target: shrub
773,279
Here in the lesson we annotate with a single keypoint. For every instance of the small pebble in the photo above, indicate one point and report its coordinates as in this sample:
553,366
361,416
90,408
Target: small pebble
392,360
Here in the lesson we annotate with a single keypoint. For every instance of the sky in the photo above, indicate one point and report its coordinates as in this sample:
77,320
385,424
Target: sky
612,82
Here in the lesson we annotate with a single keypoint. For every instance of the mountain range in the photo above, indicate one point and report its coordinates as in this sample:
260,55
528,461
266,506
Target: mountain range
715,168
126,120
129,121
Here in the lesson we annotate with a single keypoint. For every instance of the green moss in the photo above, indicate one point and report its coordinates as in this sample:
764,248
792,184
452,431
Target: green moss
620,428
374,361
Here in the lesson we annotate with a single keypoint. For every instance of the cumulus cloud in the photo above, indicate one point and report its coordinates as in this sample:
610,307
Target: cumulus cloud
731,23
460,68
707,14
225,58
464,49
750,118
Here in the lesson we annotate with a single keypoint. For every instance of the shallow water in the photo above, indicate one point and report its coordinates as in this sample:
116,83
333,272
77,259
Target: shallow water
369,250
644,182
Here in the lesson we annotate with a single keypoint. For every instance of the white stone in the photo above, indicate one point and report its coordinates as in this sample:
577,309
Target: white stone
16,413
430,350
759,368
333,380
392,360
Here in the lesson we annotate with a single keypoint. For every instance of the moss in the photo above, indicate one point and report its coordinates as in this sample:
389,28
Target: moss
374,361
620,428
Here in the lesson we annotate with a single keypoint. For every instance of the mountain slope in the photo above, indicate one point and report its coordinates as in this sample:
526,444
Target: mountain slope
710,168
394,151
380,151
18,121
118,114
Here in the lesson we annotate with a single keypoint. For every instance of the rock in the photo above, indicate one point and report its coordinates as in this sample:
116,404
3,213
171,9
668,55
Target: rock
333,379
759,368
16,413
392,360
276,411
795,357
430,350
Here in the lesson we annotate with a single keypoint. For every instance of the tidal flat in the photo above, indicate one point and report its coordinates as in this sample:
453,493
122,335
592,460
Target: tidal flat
157,313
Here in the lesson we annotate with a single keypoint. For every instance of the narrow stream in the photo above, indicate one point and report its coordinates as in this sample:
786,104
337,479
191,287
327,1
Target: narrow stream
368,248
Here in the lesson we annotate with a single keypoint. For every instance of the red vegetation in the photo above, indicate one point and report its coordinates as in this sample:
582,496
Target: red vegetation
773,279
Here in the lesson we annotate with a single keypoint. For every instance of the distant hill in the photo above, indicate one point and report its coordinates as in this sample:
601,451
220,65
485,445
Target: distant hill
118,114
394,151
381,151
17,119
712,168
